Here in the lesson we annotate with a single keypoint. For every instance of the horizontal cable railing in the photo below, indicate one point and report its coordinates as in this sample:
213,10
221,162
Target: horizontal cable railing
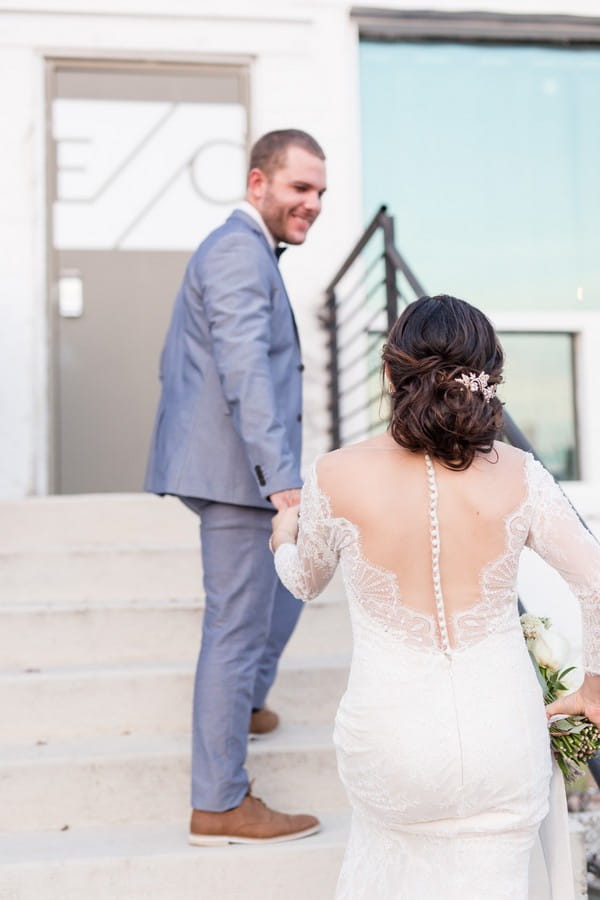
361,306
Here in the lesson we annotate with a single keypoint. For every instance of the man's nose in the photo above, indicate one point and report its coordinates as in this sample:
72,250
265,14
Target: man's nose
313,203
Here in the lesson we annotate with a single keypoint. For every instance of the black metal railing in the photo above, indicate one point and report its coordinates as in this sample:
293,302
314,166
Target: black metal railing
362,303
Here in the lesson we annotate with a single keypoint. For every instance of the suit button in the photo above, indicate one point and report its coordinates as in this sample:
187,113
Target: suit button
299,417
301,367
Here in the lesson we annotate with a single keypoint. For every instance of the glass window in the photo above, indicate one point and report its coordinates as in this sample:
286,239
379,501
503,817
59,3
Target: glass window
487,157
539,392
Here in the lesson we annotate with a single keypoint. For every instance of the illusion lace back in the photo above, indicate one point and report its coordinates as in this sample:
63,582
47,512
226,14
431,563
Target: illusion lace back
441,735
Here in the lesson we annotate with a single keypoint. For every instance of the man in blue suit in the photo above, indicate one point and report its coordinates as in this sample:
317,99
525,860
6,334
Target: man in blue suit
227,441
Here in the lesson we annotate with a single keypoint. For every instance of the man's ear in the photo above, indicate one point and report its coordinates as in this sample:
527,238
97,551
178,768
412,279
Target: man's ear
257,182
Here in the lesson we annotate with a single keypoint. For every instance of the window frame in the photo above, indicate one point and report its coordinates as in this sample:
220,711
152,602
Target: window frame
584,326
573,341
468,27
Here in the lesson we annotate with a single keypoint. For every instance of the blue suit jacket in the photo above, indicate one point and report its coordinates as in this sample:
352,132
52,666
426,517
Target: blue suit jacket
228,426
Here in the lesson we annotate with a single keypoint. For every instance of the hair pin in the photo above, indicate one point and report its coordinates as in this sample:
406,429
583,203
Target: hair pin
478,383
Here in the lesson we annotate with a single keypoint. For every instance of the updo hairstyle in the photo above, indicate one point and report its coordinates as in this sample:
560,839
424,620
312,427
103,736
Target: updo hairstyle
434,341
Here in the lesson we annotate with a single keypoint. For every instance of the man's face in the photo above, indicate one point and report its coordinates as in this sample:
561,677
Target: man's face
289,200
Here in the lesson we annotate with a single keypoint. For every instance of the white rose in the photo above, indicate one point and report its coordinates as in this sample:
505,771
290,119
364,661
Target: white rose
550,650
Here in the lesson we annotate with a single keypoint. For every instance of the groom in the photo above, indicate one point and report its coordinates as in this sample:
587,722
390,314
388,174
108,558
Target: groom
227,442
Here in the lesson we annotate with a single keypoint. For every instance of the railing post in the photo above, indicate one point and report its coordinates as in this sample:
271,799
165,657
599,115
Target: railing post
515,435
391,287
334,393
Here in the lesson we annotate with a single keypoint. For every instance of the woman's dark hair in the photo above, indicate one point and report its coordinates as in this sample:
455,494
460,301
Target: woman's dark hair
436,340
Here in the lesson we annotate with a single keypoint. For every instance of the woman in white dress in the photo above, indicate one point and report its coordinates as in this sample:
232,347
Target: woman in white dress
441,735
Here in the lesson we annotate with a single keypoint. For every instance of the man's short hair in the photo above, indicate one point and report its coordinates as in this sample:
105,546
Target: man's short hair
269,152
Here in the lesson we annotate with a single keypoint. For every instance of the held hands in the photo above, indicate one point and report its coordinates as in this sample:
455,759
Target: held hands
284,499
285,526
584,702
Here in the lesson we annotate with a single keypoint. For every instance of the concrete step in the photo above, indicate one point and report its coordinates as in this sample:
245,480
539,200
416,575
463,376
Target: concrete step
59,704
82,574
95,520
112,633
129,779
41,635
103,546
138,862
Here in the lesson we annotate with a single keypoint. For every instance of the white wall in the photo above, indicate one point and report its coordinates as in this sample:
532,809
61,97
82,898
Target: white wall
304,74
21,266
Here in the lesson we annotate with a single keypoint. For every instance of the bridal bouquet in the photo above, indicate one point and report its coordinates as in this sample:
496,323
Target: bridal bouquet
574,739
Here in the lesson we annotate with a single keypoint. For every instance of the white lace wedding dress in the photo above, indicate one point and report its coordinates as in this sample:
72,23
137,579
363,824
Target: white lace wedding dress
441,735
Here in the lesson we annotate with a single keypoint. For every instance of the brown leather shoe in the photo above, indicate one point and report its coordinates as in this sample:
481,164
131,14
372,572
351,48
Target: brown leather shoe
252,822
263,721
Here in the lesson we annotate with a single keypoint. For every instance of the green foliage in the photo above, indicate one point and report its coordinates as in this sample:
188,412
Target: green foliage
574,739
553,683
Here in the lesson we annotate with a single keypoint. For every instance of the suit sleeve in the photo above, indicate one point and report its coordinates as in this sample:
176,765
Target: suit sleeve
237,300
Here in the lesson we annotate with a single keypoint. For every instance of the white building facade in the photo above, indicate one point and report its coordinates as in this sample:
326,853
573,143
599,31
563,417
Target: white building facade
125,128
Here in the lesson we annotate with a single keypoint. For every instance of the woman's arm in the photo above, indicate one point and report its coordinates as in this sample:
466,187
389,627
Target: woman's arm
304,541
559,537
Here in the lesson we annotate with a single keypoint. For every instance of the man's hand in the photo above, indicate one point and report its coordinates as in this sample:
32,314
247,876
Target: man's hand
285,527
284,499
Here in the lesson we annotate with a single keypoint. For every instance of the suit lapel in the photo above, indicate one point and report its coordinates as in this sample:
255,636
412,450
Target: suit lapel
294,322
255,227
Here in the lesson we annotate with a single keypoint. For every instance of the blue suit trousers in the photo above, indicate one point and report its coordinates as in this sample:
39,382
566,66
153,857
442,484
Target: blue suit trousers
248,619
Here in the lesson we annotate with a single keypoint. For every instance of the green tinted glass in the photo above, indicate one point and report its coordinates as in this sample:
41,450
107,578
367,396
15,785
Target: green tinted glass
487,157
539,392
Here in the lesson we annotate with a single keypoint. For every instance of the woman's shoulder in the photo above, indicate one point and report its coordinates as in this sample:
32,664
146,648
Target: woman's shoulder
358,469
353,456
509,457
329,467
516,475
504,464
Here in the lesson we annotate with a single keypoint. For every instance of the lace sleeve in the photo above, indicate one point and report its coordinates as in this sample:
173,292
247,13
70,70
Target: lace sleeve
558,536
306,567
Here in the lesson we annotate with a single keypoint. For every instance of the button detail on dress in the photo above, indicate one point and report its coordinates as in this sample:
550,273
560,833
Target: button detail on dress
434,529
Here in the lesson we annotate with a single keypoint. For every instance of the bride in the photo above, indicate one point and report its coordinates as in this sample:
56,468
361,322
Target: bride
441,735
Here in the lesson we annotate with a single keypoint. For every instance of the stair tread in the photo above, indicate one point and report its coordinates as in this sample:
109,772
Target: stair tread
62,521
333,594
88,842
152,669
92,842
287,738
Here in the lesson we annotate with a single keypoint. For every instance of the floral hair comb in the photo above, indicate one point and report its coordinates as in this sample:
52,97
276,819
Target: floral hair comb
478,383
